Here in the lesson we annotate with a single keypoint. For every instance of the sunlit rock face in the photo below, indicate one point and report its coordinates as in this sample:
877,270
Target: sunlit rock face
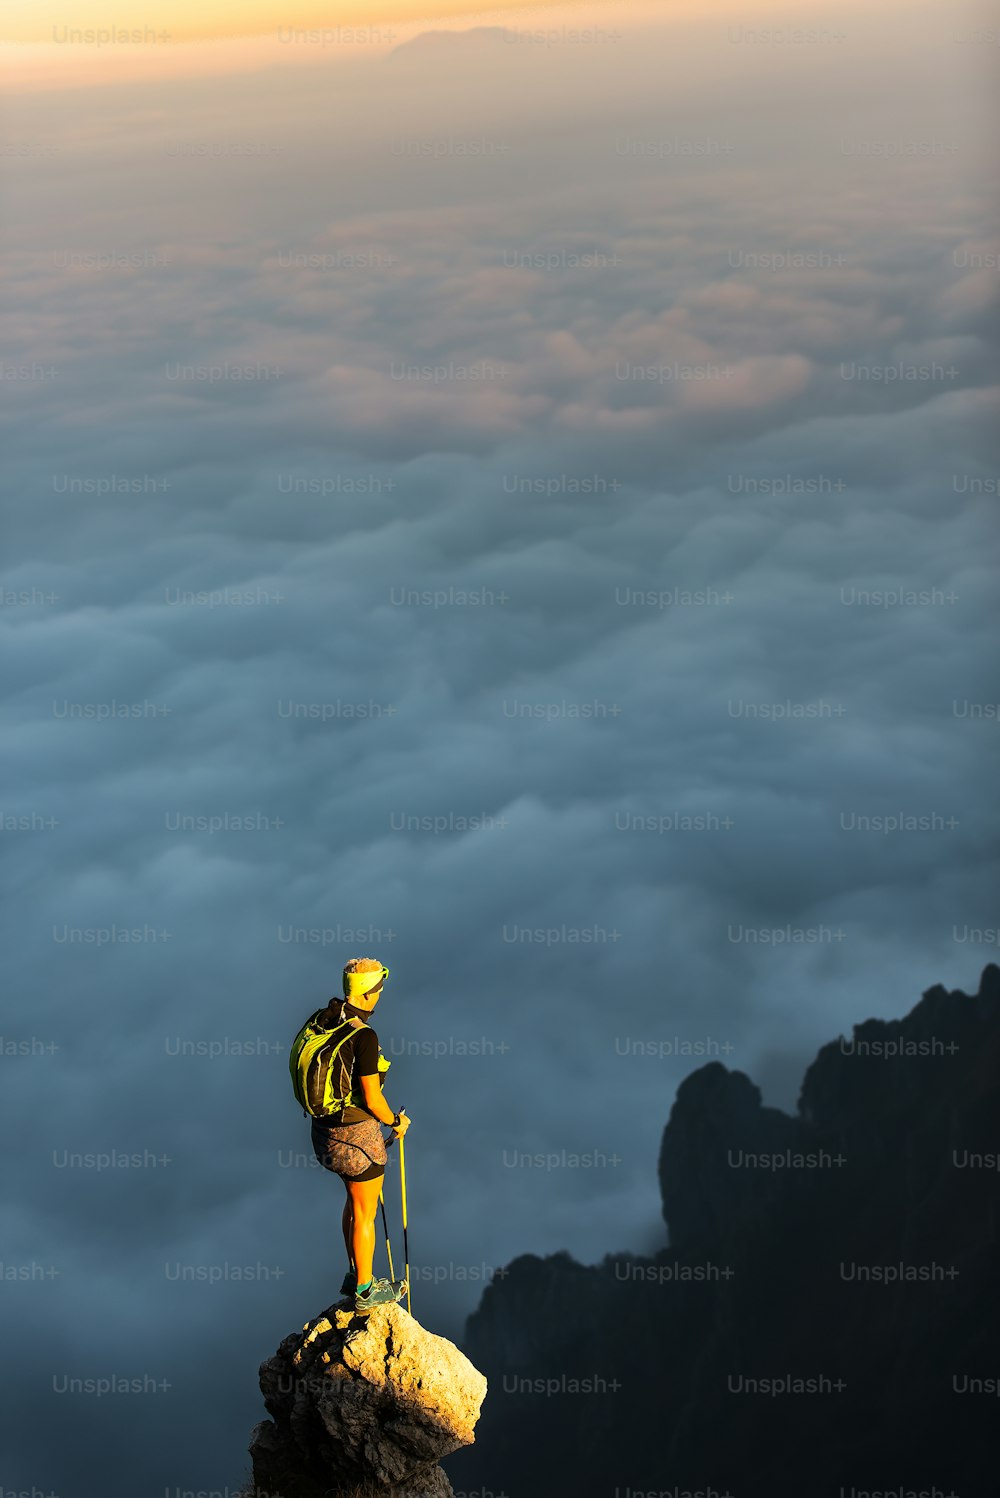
363,1404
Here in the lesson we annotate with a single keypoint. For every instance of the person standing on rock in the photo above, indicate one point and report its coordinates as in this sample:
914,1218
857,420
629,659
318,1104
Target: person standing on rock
337,1070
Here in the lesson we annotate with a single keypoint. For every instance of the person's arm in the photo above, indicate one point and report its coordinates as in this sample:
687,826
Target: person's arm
375,1102
371,1084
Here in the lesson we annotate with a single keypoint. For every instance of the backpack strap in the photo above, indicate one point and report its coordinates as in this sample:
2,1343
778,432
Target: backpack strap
353,1026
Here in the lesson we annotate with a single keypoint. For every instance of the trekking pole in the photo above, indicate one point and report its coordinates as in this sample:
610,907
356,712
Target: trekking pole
406,1249
385,1229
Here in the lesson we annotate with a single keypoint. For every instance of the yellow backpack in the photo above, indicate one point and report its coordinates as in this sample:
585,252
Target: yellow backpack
320,1076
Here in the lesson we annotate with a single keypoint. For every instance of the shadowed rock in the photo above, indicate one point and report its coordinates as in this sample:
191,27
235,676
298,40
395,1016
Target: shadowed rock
824,1317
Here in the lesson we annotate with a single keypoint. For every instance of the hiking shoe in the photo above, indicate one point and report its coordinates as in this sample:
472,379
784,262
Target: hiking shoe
350,1284
380,1293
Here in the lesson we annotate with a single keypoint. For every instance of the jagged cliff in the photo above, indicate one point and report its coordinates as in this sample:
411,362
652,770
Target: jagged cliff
825,1319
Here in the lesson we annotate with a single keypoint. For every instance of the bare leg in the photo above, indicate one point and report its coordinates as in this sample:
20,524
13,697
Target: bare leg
364,1200
349,1229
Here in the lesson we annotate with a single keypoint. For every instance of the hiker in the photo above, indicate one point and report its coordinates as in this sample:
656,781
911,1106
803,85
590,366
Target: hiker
337,1070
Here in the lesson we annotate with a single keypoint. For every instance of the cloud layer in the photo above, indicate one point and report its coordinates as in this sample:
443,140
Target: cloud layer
533,526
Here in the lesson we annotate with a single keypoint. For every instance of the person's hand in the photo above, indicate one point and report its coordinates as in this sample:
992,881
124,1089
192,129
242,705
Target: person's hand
404,1124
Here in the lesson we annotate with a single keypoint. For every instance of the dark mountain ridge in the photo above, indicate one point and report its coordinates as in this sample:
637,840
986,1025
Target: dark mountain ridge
825,1318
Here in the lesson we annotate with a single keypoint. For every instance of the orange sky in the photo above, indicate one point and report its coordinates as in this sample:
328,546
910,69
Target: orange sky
186,20
225,36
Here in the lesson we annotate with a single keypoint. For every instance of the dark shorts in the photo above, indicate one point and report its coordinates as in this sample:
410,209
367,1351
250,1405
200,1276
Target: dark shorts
355,1152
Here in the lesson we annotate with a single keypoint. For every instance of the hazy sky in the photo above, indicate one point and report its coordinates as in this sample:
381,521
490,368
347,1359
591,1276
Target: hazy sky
228,19
522,508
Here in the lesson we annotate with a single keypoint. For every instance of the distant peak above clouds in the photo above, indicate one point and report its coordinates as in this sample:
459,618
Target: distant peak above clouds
431,44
